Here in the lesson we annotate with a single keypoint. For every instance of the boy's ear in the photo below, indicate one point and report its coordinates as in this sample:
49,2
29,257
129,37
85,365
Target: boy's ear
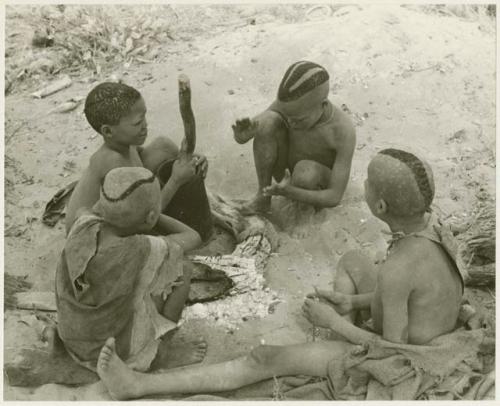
151,217
106,131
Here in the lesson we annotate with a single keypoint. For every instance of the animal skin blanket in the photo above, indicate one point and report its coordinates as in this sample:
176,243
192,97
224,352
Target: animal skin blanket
105,290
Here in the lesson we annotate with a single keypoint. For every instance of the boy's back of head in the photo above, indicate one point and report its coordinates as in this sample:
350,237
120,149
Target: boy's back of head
403,181
128,195
108,102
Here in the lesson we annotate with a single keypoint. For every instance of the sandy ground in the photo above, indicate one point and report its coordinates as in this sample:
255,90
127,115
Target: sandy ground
422,82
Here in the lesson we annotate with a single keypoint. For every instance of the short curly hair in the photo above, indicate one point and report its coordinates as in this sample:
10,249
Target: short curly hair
108,102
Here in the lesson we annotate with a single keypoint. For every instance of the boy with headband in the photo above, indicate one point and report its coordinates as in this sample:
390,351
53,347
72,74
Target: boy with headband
413,298
113,279
302,141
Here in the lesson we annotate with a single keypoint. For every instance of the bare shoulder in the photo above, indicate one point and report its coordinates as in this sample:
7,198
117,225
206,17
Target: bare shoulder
409,255
343,131
105,159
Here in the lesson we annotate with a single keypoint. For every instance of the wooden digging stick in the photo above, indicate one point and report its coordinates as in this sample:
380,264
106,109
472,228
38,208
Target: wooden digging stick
189,141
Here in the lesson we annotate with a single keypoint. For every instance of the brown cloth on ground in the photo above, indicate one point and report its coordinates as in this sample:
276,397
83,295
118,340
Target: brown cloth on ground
105,290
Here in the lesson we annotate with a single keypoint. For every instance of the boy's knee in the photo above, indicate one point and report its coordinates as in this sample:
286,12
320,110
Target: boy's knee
308,175
271,125
166,146
359,268
161,148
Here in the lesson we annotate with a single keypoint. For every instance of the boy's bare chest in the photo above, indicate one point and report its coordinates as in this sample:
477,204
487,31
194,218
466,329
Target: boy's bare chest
316,142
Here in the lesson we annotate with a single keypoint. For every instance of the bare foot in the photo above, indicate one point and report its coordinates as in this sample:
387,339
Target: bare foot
258,205
178,353
119,379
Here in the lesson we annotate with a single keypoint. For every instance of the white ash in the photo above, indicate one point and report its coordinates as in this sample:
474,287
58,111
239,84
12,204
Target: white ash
249,298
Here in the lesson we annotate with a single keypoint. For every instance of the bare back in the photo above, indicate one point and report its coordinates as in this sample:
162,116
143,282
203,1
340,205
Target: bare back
419,279
86,192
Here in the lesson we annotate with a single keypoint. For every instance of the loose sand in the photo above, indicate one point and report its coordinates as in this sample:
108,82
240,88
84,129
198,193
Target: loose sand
423,82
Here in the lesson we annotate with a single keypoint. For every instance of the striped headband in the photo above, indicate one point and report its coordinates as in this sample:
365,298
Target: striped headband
301,78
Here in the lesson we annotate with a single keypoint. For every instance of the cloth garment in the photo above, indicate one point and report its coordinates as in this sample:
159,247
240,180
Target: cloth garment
105,288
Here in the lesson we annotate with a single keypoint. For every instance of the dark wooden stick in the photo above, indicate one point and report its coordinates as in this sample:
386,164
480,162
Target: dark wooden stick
189,141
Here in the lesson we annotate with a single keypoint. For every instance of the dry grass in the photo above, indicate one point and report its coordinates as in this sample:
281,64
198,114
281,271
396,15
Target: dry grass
42,41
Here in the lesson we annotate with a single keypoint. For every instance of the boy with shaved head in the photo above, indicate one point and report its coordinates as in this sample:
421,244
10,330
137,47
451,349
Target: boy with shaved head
113,279
413,299
302,141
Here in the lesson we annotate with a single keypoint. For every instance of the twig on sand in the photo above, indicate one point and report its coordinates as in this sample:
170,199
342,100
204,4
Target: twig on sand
325,8
437,65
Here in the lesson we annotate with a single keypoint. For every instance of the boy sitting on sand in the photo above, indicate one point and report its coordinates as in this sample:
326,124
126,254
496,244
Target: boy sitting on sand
304,134
118,113
112,279
413,299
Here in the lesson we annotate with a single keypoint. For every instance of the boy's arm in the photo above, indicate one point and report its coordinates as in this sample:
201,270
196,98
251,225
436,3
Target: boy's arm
341,170
185,236
395,285
344,303
362,302
322,315
168,191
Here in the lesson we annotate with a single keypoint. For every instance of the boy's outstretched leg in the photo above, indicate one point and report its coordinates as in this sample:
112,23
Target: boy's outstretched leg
262,363
118,378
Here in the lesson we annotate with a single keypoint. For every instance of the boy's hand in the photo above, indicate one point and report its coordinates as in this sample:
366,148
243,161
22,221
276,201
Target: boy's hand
341,302
201,165
184,170
319,314
278,188
244,130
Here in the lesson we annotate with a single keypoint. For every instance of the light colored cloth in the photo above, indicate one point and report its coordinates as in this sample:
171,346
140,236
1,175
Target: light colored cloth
105,289
380,370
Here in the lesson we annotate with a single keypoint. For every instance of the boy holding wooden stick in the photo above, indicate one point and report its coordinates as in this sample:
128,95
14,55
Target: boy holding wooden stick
118,113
